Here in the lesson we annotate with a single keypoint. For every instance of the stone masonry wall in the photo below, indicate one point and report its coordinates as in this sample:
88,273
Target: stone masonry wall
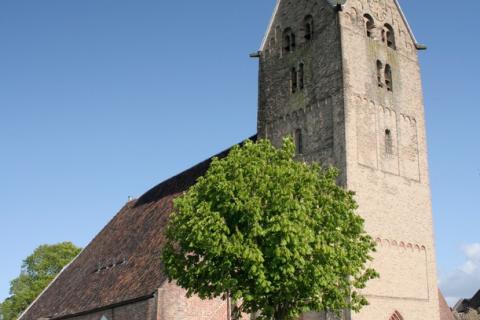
317,109
391,183
375,136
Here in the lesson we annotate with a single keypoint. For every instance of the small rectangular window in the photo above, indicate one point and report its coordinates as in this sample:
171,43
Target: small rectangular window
308,25
379,73
298,141
388,143
301,82
293,80
388,78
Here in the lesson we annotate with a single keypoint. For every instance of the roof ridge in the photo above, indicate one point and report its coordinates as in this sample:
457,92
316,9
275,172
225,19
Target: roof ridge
178,182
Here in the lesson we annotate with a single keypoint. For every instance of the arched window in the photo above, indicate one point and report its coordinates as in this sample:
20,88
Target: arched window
288,40
298,141
380,73
396,316
388,78
286,43
388,142
293,80
369,25
388,36
301,81
308,25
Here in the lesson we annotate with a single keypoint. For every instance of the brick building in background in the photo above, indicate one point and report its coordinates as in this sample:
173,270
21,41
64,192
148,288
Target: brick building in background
343,78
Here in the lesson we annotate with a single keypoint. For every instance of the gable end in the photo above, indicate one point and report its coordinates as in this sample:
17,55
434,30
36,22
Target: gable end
341,3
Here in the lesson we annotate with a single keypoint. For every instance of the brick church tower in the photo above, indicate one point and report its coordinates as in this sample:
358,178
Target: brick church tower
344,79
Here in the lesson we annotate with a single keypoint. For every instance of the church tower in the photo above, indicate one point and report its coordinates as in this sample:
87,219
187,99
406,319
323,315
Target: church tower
343,78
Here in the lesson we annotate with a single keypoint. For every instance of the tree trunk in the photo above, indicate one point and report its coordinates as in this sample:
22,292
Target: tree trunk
236,314
233,312
280,314
229,307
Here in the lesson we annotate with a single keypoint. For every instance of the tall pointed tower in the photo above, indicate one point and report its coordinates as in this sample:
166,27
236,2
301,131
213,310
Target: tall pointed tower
344,79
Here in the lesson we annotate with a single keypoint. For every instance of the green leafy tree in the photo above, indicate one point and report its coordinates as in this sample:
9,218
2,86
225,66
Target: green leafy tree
38,270
278,235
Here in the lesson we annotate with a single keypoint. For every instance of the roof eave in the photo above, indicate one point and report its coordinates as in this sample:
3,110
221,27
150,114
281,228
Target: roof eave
48,287
418,45
270,25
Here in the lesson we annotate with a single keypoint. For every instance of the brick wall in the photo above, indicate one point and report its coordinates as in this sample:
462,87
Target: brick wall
174,305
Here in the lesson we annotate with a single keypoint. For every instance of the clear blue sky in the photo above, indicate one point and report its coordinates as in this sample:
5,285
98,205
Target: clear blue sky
102,99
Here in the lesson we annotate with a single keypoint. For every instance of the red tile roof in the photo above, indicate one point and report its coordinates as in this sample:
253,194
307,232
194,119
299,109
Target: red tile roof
123,262
445,312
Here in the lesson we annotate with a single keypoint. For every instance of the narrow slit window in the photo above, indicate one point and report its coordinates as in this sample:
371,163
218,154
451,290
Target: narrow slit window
308,32
369,25
301,74
388,77
308,24
388,142
293,80
287,47
379,73
288,40
388,36
298,141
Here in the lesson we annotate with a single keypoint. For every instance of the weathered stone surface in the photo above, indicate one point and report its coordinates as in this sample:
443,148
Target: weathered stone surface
374,135
317,109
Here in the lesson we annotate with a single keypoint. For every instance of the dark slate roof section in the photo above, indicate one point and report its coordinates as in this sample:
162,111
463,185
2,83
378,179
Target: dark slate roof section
461,306
475,300
122,263
464,305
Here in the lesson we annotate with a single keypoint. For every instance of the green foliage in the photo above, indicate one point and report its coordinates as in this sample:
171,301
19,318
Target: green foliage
38,270
277,234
